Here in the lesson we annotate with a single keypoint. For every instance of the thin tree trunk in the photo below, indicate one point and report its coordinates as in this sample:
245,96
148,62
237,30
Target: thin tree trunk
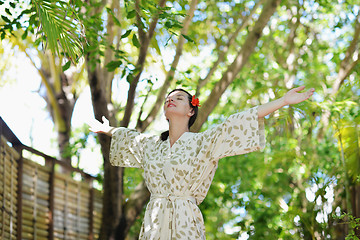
348,194
132,209
356,206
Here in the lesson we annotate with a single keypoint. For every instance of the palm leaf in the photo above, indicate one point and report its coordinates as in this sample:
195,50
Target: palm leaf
350,140
61,27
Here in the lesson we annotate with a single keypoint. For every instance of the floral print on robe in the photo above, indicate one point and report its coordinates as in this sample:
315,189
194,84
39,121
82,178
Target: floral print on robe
179,177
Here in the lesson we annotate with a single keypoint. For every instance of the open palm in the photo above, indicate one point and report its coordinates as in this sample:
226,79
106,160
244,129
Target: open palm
293,96
100,127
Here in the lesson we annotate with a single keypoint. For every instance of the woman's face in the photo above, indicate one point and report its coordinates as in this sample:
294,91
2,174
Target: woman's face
177,103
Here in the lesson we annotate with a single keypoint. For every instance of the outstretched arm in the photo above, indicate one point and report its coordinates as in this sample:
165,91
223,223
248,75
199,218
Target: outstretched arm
104,127
291,97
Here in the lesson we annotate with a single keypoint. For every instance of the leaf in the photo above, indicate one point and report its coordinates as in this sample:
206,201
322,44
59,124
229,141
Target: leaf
116,21
5,19
154,44
135,41
32,19
168,24
27,11
129,77
7,11
188,38
131,14
24,35
66,66
111,66
123,73
61,30
127,33
349,133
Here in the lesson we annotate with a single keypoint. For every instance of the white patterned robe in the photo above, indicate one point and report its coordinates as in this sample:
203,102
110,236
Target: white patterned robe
179,177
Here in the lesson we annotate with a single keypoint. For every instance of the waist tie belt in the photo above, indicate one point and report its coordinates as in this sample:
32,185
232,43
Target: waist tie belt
170,197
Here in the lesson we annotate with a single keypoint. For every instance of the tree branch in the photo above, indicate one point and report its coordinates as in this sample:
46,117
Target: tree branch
139,67
223,53
142,35
142,108
58,121
291,62
228,77
141,126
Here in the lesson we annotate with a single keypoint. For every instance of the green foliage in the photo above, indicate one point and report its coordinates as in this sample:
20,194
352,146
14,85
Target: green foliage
60,26
292,188
353,223
348,135
78,143
54,22
272,199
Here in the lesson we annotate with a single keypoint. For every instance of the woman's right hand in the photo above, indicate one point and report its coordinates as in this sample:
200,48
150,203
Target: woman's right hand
101,127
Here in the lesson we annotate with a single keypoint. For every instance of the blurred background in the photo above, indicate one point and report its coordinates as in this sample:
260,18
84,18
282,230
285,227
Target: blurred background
64,63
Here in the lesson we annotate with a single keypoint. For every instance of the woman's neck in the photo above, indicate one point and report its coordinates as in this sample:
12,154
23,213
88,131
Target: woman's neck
176,130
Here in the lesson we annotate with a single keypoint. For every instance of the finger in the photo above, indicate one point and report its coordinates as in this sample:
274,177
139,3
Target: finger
311,92
308,93
92,129
105,120
299,88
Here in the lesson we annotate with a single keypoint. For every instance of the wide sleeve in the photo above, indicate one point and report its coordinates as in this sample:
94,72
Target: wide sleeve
240,133
127,148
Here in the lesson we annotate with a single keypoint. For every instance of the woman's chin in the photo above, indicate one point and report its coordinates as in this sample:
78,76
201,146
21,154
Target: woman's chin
171,113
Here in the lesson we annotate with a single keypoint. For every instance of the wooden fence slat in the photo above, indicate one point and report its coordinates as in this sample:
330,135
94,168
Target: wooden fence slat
40,230
32,164
41,203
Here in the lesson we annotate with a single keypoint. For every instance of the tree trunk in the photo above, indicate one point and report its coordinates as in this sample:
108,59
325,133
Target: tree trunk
132,209
112,195
60,102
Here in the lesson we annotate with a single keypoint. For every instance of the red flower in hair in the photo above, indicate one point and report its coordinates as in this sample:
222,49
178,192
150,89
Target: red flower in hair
195,102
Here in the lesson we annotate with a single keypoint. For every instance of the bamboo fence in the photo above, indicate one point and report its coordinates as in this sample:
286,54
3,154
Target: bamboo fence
41,203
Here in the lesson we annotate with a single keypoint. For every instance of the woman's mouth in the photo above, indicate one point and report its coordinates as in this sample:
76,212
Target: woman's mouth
171,105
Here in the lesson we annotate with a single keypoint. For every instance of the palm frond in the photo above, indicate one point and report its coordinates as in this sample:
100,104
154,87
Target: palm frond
350,139
61,27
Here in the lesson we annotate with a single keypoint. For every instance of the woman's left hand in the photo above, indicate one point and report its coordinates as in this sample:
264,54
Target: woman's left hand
293,96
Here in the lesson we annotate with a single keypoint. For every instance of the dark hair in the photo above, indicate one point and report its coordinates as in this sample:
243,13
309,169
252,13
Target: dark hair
192,119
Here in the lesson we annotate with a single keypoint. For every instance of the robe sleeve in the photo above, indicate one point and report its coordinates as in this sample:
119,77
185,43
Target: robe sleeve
127,148
241,133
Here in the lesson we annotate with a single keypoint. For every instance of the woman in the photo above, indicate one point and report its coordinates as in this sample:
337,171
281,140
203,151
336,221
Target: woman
180,165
